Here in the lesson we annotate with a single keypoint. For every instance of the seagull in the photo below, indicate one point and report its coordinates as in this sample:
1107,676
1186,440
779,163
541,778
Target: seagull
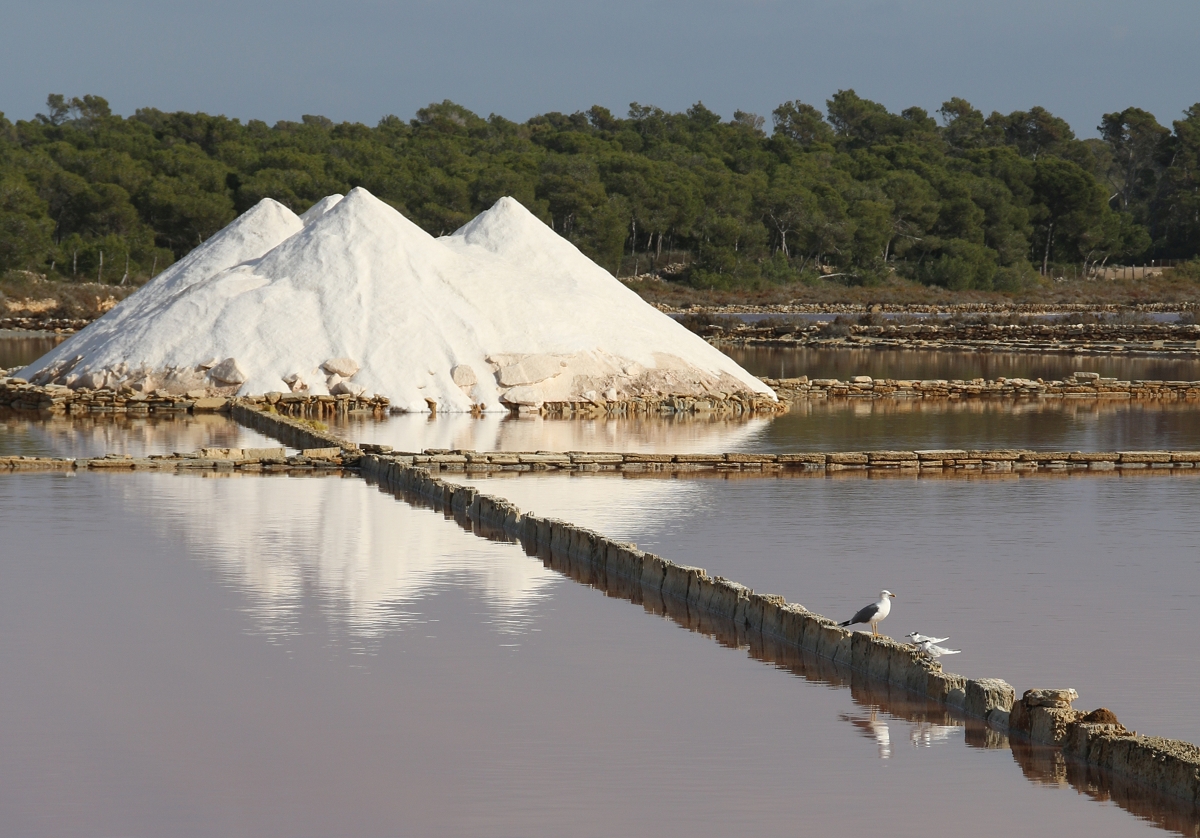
873,613
917,639
935,651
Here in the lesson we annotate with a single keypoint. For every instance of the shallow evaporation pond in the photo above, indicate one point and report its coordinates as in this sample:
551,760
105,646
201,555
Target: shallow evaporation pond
818,425
26,433
1090,582
20,348
922,364
274,656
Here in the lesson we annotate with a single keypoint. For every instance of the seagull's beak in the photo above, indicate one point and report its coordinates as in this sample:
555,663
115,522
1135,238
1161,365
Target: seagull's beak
893,596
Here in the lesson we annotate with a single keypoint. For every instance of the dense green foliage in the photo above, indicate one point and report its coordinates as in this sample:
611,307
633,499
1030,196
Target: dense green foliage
857,193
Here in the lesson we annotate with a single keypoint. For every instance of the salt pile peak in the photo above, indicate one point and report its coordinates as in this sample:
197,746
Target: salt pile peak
355,298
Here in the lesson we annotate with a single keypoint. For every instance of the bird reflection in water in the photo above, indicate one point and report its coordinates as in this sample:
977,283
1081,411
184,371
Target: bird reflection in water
872,727
928,734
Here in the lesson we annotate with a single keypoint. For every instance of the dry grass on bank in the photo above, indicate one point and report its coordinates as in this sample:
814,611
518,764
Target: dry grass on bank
26,294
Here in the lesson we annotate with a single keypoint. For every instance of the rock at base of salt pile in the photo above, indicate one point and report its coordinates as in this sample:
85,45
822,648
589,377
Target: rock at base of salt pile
345,367
463,375
345,388
228,373
530,370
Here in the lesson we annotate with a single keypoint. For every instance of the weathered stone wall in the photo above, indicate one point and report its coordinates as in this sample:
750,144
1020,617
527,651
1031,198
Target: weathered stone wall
1113,338
18,394
206,459
925,462
691,596
1082,385
295,433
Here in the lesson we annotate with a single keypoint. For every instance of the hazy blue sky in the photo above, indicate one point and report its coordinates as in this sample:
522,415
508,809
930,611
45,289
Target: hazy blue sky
362,59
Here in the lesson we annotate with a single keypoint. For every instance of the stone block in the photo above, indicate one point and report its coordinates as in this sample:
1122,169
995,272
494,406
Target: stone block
211,404
1050,725
678,580
890,456
998,454
985,694
321,453
1145,456
772,613
847,458
726,598
1049,698
1094,456
941,454
946,688
816,459
654,571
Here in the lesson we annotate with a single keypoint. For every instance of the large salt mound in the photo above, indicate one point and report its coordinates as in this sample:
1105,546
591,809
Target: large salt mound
353,297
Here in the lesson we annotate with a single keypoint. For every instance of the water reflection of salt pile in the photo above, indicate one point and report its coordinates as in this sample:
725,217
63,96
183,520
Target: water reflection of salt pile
367,559
138,436
682,435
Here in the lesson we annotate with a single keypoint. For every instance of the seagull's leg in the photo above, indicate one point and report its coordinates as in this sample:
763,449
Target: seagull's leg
874,628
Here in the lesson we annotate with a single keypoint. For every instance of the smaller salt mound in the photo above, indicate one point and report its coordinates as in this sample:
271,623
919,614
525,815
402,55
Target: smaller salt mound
320,208
97,350
582,335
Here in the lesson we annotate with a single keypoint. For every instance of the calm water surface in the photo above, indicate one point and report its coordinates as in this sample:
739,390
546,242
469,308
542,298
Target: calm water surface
311,657
1089,582
21,348
930,364
833,425
32,434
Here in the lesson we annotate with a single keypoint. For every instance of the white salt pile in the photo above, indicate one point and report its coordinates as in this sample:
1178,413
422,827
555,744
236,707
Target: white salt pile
354,298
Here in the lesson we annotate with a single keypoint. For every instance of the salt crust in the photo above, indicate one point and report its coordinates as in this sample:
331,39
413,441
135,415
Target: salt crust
504,301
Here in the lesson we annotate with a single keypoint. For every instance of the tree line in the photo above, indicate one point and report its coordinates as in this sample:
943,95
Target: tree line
852,194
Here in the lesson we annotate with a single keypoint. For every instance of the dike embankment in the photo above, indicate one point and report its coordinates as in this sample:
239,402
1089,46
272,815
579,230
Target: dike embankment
927,462
223,460
18,394
692,597
1150,340
1081,385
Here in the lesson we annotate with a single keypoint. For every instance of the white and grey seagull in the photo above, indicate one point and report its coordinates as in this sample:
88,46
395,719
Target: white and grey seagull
873,613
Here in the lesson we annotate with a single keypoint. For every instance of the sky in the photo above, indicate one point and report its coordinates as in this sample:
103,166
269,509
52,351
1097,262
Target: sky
360,60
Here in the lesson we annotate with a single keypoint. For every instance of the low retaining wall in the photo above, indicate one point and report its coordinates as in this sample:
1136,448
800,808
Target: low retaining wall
719,404
942,461
295,433
1082,385
1169,766
19,394
206,459
1161,340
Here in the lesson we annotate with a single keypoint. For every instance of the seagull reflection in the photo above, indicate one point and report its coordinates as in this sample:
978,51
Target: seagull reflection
928,734
872,727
